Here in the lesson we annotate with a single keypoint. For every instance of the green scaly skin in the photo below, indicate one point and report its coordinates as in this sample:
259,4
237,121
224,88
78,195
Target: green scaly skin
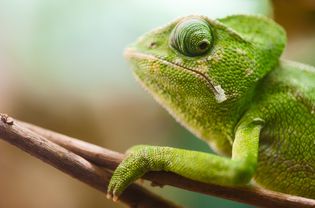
223,80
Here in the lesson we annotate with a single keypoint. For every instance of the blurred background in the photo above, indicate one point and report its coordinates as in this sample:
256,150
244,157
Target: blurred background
61,63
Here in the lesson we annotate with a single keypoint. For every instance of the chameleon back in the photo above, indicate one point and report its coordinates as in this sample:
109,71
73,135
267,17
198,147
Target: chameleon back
286,101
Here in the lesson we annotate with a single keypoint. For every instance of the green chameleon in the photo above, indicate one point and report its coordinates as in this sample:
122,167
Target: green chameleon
223,80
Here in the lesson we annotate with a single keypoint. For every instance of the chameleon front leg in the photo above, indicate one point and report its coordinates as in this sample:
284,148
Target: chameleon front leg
195,165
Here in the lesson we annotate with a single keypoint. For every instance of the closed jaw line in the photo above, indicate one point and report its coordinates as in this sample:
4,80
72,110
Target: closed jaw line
216,89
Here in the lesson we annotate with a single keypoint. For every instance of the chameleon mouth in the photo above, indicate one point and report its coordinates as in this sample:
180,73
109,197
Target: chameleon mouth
219,93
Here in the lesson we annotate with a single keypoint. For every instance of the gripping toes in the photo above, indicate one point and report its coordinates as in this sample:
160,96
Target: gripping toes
130,169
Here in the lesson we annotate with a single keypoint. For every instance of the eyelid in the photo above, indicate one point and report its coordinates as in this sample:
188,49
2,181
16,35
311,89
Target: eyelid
183,35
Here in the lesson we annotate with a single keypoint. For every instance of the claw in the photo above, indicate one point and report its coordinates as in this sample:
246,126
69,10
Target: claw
115,198
112,196
108,196
132,168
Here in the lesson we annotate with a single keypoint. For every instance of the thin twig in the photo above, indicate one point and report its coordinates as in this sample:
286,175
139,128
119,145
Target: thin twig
73,164
110,159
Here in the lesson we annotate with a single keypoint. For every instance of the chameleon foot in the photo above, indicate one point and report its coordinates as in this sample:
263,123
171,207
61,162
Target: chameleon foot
130,169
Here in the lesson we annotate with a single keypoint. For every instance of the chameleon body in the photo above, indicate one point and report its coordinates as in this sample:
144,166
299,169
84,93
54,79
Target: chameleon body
224,80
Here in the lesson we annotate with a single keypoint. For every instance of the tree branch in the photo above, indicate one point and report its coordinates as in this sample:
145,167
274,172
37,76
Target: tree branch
73,164
110,159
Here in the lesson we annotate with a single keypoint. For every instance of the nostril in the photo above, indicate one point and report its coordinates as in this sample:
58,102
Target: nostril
153,45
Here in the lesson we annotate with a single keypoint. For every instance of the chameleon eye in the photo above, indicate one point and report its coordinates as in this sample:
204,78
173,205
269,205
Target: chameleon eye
192,37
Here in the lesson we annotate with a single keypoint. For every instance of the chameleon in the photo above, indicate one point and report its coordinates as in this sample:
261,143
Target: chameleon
224,81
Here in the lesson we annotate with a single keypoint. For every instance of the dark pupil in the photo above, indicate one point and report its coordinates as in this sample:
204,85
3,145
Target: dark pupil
203,45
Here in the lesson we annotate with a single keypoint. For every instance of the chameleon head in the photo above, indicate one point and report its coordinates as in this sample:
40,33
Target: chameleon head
203,71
